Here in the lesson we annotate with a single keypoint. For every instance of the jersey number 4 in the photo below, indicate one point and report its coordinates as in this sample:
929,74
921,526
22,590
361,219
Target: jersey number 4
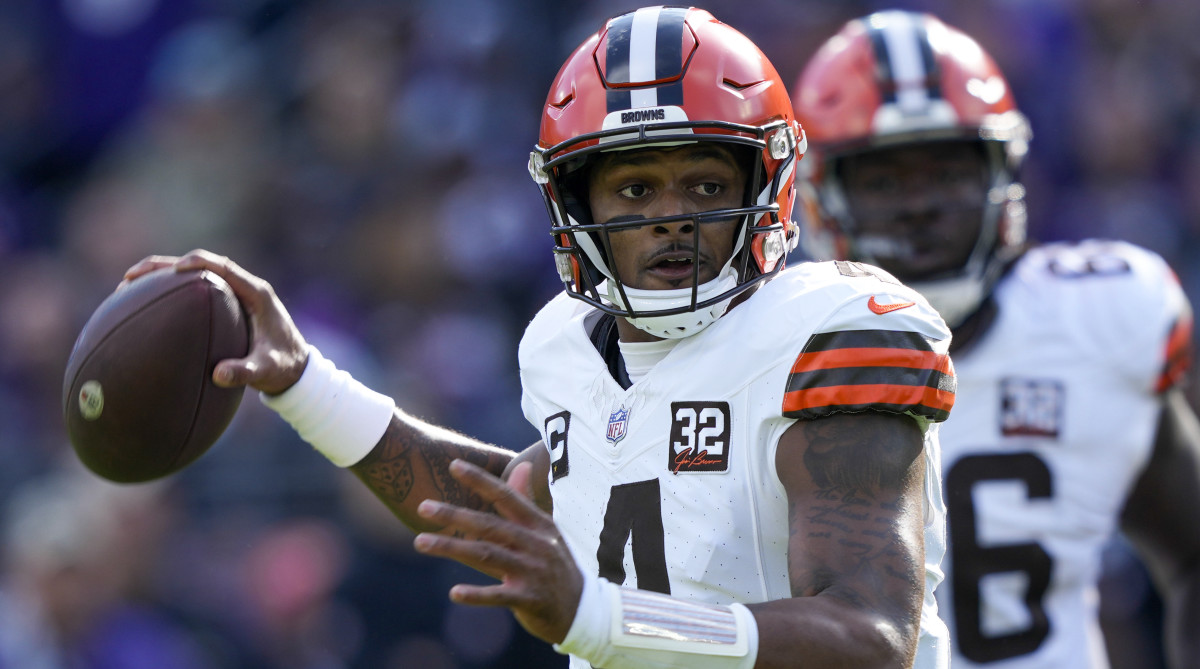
973,562
634,514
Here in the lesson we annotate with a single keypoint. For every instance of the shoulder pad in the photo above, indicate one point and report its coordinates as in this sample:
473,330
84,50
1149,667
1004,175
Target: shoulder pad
881,348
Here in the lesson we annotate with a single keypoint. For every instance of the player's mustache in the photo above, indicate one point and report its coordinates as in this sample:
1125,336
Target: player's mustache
675,248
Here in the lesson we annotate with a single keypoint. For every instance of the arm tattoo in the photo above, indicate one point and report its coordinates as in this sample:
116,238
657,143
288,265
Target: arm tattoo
403,464
438,458
388,470
859,471
859,458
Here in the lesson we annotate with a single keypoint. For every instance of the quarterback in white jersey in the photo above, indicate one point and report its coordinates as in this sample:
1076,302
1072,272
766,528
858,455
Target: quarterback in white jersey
1068,423
739,465
669,484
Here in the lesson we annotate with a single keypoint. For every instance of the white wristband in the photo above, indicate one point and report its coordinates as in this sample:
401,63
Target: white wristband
624,628
590,630
337,415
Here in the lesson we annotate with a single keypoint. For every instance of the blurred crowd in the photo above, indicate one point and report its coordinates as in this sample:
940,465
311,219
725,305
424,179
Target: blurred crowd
368,158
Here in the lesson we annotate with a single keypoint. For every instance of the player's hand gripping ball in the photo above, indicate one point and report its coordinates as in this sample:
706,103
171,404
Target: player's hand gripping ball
138,396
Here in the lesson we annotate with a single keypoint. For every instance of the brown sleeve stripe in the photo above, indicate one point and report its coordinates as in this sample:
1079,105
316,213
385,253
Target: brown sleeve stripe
827,341
860,370
871,357
907,375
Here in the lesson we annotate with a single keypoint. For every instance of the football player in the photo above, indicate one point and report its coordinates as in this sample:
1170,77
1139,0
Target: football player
1068,422
738,464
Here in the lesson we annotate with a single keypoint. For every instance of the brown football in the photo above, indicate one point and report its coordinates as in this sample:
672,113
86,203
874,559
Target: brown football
138,396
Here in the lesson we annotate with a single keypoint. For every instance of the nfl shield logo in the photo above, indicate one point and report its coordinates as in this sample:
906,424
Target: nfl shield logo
618,421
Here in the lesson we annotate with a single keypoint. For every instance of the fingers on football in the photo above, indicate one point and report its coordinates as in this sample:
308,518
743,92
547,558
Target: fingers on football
145,266
234,372
251,290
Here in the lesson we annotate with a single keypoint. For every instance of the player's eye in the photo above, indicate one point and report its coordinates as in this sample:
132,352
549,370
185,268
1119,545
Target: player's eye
708,188
633,191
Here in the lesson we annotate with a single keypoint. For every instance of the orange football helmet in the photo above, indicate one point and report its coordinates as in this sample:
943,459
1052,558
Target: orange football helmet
662,76
897,78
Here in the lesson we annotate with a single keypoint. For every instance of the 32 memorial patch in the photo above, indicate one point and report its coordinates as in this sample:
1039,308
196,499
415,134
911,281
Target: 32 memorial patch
699,437
1031,407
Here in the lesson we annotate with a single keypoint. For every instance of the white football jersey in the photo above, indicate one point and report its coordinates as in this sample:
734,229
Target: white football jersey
1054,420
670,485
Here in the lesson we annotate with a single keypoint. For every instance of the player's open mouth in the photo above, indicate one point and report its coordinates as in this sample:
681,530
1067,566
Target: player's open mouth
674,269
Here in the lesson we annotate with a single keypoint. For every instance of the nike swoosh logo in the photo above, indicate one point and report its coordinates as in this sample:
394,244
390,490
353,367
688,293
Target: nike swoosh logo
882,309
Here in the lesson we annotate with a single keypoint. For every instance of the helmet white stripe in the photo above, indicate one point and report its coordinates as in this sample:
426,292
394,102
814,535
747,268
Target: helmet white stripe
904,55
643,50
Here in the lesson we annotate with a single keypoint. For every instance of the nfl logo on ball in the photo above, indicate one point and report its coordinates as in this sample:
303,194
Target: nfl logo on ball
618,421
91,400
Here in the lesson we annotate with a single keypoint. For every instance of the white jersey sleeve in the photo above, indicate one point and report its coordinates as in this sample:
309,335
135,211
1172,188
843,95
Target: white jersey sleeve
887,352
1119,301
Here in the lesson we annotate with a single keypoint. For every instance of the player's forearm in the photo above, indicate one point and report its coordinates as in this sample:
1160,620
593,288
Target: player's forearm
620,627
411,463
825,631
403,460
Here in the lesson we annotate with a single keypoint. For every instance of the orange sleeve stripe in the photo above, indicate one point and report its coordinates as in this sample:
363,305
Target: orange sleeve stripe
872,357
1179,354
1180,338
832,396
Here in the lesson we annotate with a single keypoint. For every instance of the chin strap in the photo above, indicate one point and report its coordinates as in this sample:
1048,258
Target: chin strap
676,326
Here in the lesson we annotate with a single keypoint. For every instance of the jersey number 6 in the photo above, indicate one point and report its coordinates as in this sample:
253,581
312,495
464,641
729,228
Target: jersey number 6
972,561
